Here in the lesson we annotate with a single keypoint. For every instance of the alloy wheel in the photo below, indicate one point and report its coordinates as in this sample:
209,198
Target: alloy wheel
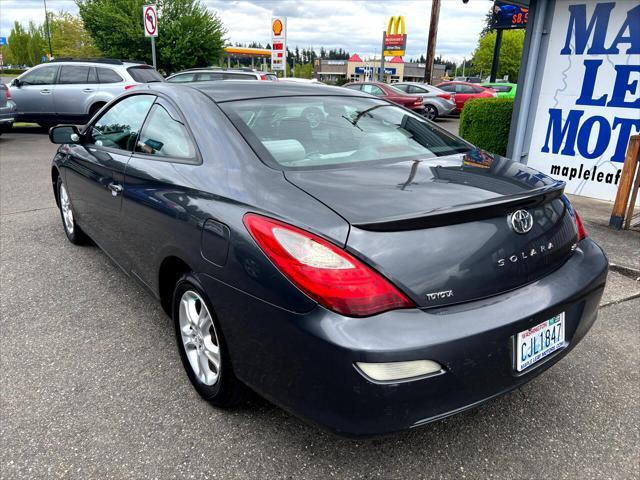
67,211
199,338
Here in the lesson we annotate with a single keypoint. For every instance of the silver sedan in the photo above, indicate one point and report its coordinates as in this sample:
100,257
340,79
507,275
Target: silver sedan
436,102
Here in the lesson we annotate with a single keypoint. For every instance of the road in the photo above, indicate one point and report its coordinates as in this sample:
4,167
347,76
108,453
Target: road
92,386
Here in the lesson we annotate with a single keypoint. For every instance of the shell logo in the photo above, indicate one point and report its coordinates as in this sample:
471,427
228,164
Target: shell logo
277,27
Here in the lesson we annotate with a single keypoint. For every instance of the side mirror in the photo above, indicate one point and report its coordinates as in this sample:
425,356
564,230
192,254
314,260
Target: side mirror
16,83
64,134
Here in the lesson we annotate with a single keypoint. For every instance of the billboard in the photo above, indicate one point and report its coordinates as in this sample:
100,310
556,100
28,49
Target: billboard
395,38
505,15
589,100
279,43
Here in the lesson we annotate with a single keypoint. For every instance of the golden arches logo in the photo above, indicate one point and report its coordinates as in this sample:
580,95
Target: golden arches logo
396,26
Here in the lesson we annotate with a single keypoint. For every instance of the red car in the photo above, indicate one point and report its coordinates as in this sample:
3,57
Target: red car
389,92
465,91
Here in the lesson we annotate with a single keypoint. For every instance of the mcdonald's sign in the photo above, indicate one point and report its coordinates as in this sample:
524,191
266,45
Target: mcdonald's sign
395,38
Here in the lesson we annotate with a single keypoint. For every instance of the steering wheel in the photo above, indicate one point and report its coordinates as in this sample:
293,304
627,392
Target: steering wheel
314,116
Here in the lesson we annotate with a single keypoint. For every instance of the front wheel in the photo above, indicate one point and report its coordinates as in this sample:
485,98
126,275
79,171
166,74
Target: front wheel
201,345
71,228
430,112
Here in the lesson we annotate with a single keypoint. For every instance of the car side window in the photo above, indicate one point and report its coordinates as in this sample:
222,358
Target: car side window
208,77
448,88
354,87
404,88
182,78
464,89
106,75
237,76
73,74
118,127
373,90
164,135
40,76
414,89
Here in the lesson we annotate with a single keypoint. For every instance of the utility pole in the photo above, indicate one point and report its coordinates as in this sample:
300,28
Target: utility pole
381,73
46,21
431,43
496,56
464,60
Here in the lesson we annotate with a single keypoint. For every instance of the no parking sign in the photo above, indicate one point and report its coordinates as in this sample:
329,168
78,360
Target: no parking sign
150,19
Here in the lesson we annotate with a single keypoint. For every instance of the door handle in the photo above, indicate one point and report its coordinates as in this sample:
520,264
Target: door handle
45,91
87,90
116,189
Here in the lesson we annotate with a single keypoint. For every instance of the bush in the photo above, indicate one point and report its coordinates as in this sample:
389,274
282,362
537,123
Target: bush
12,71
485,122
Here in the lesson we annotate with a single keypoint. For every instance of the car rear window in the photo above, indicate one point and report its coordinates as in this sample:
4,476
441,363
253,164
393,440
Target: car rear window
500,88
106,75
322,131
238,76
144,74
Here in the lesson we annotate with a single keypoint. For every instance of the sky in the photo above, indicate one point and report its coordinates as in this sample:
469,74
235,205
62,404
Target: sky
355,25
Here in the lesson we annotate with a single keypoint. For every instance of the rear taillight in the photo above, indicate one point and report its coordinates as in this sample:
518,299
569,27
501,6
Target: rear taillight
418,102
446,96
582,232
263,77
323,271
7,94
127,87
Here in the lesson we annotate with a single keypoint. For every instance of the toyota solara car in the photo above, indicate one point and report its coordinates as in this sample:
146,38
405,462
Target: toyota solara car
369,272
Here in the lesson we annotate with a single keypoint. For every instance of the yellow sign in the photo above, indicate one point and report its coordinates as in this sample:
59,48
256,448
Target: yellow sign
395,38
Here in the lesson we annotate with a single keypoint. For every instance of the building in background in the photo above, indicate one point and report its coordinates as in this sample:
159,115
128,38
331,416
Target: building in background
357,70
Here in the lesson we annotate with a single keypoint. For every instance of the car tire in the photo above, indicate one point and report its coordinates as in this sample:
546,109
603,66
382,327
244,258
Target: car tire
71,228
202,347
94,109
430,112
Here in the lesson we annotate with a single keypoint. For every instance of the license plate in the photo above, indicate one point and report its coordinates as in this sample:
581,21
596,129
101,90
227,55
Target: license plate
540,341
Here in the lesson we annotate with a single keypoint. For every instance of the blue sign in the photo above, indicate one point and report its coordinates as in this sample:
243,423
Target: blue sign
506,15
387,71
3,41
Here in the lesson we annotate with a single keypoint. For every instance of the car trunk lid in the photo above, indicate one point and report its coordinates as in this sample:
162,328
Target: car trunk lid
441,229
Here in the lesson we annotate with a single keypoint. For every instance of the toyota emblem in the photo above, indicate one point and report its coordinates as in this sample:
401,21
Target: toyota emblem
521,221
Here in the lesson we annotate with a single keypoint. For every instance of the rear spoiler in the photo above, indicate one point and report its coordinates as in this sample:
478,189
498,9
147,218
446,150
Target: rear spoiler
494,207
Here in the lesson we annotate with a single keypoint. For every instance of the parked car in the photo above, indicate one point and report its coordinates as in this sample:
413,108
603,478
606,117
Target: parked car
436,102
7,109
73,90
504,90
213,74
465,92
389,92
372,274
468,79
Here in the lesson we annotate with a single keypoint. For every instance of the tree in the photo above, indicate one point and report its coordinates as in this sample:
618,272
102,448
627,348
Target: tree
189,34
510,53
69,37
25,46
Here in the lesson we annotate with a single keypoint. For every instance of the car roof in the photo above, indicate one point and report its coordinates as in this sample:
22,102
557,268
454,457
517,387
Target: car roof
243,90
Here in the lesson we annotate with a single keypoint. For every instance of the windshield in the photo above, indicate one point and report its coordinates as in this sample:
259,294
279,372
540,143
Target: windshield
311,132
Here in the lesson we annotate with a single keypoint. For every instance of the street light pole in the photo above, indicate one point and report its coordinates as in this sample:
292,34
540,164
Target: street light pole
46,21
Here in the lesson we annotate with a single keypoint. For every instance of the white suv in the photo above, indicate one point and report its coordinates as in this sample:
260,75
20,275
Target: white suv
72,91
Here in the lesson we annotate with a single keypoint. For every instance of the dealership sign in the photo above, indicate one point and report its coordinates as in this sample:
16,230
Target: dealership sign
395,38
278,43
589,102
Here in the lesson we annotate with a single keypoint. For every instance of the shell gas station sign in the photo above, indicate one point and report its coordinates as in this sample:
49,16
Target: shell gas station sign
278,43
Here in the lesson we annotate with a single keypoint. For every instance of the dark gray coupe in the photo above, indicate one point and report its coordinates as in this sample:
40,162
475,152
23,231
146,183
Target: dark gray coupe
338,254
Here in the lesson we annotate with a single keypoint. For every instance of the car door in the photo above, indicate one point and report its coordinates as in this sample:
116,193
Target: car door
76,85
34,95
463,94
153,201
94,171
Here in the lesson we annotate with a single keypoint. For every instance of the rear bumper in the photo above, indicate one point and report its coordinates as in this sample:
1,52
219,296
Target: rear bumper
305,362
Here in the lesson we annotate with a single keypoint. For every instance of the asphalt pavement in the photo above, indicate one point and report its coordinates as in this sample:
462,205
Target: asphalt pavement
91,385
